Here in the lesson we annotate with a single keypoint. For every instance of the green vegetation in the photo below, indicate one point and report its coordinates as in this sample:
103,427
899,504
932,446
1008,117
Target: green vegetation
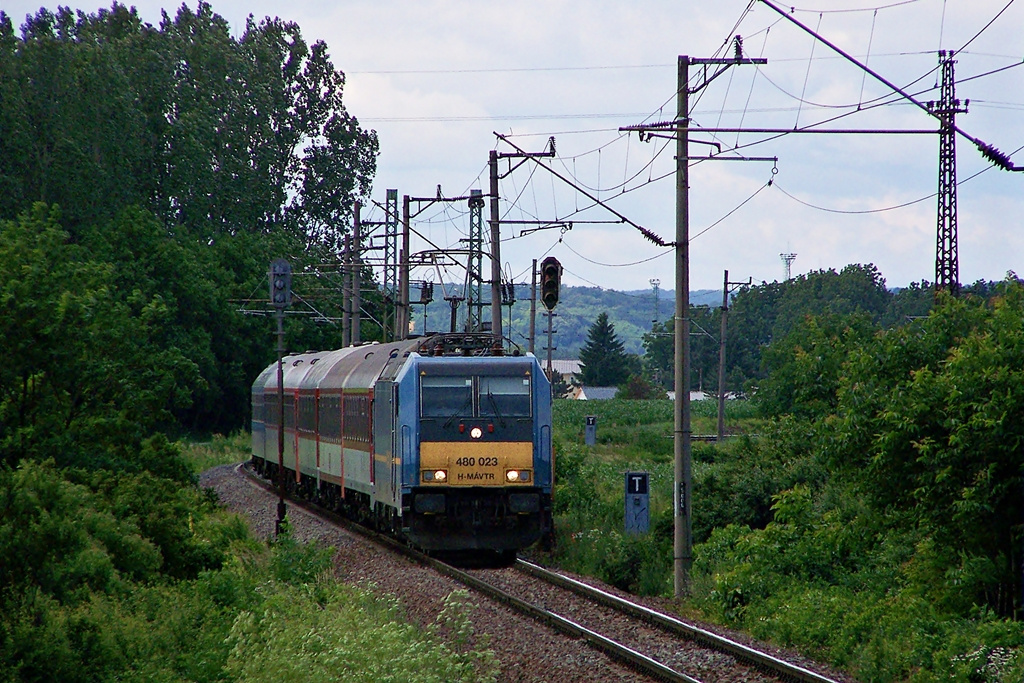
868,510
871,515
631,435
147,177
220,450
114,576
605,363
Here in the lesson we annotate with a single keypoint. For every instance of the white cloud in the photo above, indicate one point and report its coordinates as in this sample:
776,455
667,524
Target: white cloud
519,44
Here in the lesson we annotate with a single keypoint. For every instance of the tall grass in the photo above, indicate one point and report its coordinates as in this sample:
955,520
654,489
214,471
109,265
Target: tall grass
219,450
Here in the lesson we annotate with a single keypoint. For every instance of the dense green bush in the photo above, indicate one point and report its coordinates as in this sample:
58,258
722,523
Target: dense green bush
892,549
133,577
873,522
842,589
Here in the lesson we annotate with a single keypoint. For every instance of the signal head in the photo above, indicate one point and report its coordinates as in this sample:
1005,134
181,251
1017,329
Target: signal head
550,281
280,283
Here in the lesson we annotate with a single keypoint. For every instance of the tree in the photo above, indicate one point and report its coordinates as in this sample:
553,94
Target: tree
659,346
559,387
604,360
804,368
763,313
929,426
180,159
92,370
214,134
636,387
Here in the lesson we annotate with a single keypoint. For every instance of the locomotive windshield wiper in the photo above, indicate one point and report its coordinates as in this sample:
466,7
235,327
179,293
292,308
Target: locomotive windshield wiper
494,404
467,402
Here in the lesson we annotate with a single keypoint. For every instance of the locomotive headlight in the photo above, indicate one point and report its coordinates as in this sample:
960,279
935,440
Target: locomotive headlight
434,475
476,432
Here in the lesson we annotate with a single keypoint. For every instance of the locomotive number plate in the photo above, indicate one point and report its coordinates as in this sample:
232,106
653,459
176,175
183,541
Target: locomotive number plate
469,469
476,464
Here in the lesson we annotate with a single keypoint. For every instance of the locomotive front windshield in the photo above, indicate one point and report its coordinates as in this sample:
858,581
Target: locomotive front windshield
447,396
477,396
504,396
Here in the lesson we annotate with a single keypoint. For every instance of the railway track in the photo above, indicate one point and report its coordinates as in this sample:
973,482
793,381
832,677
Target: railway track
657,645
666,643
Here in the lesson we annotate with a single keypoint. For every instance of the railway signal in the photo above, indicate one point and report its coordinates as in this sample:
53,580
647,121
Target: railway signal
550,281
280,299
280,283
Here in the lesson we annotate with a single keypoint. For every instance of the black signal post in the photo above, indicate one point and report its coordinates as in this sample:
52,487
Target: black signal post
280,298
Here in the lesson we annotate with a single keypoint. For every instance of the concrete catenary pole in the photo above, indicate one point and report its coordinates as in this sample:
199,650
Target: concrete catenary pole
402,313
682,536
721,359
533,306
356,266
346,293
492,163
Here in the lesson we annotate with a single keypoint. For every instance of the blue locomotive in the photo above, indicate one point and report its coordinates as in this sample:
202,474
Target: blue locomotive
442,440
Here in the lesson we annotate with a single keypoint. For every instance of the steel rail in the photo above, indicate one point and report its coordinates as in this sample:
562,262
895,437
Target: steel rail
613,649
713,640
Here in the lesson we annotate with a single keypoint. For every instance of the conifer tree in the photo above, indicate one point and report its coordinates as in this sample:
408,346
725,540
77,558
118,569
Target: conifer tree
604,358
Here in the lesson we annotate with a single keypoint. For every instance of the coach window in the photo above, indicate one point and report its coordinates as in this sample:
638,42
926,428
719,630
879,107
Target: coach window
289,411
505,396
270,409
446,396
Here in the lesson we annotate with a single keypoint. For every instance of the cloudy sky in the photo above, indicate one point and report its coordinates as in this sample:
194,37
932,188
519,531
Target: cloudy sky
436,80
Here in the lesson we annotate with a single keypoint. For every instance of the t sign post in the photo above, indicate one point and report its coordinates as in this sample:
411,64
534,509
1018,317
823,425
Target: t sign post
638,515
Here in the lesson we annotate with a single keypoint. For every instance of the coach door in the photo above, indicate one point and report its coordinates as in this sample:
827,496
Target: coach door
385,468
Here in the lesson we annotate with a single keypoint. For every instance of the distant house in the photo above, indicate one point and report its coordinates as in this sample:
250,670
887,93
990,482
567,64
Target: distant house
582,393
570,370
705,395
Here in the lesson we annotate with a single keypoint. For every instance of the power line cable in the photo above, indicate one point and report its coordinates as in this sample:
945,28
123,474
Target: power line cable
887,208
942,25
615,265
852,10
506,70
895,100
986,26
807,76
757,192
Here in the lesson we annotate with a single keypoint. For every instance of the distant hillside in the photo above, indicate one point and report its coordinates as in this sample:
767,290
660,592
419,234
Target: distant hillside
631,312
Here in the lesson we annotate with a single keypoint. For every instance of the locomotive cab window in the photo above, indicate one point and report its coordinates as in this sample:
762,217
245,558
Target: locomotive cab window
504,396
446,396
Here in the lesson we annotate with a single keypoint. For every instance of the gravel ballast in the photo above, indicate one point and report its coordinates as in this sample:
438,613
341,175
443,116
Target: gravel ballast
525,650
